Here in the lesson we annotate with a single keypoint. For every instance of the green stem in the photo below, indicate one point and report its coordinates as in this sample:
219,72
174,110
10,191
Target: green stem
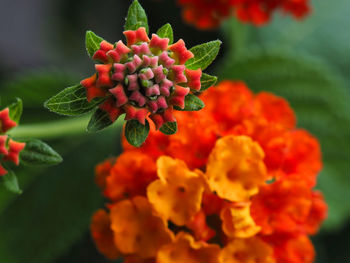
53,129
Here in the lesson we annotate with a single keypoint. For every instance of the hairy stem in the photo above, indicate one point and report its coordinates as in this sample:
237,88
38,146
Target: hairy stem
54,129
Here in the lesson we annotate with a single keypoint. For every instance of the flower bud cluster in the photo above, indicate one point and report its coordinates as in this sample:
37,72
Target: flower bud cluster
145,78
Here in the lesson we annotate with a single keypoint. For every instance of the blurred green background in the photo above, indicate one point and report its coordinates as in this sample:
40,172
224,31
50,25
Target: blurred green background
42,51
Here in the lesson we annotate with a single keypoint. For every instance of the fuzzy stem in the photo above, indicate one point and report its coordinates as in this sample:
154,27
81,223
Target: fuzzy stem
53,129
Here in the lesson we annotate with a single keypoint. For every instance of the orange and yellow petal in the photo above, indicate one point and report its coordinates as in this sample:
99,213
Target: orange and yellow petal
185,249
102,171
130,176
237,222
137,229
177,194
250,250
235,168
102,234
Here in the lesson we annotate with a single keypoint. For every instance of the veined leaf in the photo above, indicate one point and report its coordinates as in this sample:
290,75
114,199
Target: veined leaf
192,103
207,81
37,153
92,42
136,17
136,133
16,110
169,128
204,55
10,182
166,31
99,121
71,102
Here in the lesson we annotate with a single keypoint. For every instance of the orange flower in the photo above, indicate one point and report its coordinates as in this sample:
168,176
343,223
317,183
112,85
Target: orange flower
238,174
130,175
237,222
102,234
283,206
235,168
185,249
177,195
137,229
102,171
251,250
292,249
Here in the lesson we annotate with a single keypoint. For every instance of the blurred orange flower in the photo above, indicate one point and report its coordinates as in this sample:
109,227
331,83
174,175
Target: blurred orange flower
209,14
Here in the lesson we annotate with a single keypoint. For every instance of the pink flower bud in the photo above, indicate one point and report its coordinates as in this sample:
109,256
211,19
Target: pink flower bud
104,79
113,111
101,54
165,87
138,97
158,43
179,96
5,122
178,74
134,64
158,73
181,54
2,171
155,105
133,113
142,49
119,93
119,72
135,36
3,140
14,149
165,60
194,78
146,74
153,91
133,83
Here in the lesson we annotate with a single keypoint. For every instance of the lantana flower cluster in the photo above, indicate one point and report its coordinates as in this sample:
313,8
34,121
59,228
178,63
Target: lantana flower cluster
209,14
144,78
9,149
235,184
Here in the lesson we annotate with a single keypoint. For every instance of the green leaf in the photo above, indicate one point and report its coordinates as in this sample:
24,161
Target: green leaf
16,110
10,182
204,55
99,121
136,17
136,133
92,42
166,31
37,153
207,81
192,103
57,204
72,102
169,128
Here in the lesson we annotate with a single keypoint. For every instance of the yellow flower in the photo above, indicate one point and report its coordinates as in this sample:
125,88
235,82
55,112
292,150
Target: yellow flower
235,168
237,222
137,230
251,250
177,194
185,250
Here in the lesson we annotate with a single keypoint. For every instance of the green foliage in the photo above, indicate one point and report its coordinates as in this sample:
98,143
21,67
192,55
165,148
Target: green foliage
192,103
16,110
37,152
99,121
92,42
136,17
57,203
204,55
320,100
71,102
169,128
136,133
166,31
207,81
10,182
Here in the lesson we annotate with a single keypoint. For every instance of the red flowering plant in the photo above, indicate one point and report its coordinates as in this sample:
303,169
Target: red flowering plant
235,184
209,14
15,151
146,79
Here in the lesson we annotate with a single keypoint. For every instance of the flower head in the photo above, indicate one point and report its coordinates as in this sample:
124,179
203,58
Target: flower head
234,185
